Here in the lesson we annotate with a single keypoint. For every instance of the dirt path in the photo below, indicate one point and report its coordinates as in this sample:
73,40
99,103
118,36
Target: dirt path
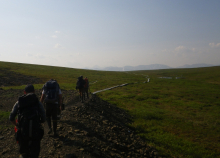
91,129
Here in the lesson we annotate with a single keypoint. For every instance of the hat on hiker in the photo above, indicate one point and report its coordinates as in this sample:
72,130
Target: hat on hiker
29,88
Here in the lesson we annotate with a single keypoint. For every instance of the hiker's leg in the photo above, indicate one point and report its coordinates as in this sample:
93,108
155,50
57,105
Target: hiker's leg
59,112
54,117
23,148
83,97
83,90
54,126
35,149
49,122
86,91
48,114
80,94
48,117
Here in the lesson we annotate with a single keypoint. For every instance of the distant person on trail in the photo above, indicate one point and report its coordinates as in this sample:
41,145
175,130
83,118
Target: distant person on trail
80,85
29,130
52,97
86,87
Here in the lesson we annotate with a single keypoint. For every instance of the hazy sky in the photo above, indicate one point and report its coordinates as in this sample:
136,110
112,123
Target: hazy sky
86,33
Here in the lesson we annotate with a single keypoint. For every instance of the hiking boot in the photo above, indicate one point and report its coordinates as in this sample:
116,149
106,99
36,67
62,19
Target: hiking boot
50,131
49,122
23,156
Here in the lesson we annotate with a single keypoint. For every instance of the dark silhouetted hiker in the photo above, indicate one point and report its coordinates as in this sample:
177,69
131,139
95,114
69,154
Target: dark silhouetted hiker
80,85
86,87
29,130
52,97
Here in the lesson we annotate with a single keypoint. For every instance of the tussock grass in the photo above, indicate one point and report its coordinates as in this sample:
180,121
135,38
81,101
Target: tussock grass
180,117
4,115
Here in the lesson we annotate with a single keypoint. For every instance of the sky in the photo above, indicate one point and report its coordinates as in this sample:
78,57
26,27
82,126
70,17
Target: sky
91,33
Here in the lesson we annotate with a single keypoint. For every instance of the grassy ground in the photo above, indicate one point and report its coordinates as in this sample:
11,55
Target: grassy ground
4,115
180,117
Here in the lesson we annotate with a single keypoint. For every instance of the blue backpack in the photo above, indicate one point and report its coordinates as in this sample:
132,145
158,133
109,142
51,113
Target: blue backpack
51,89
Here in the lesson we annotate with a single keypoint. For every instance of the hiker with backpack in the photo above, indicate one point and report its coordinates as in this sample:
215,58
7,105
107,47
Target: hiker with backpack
80,85
29,130
52,97
86,87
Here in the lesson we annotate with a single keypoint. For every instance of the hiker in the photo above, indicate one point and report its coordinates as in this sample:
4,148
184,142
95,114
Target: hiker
52,97
80,85
28,125
86,87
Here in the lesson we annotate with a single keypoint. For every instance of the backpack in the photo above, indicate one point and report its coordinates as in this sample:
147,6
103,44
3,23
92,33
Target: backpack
29,126
80,83
51,89
86,83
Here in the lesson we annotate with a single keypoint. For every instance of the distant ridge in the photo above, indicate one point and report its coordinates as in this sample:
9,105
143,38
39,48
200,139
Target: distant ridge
195,65
148,67
133,68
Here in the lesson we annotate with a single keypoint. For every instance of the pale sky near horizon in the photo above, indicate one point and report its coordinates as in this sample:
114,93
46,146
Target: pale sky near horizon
86,33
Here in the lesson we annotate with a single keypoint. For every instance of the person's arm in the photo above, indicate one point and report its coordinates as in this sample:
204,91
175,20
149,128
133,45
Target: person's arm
13,114
42,98
60,99
14,123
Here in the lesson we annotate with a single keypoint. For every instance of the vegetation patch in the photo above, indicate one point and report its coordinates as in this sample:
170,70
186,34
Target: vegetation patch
4,115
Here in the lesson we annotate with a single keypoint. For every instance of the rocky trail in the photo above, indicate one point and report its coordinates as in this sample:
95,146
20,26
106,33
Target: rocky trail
93,129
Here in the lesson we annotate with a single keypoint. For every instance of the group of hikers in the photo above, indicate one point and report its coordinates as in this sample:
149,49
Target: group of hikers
32,112
83,86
